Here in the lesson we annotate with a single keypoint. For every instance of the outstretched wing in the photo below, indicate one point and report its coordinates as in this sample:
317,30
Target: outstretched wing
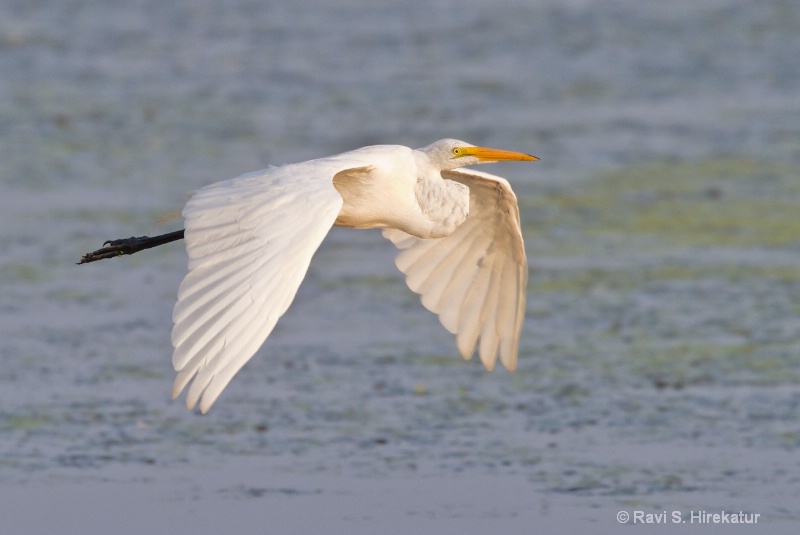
249,241
475,278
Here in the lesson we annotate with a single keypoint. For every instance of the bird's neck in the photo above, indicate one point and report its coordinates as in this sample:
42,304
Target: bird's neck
445,203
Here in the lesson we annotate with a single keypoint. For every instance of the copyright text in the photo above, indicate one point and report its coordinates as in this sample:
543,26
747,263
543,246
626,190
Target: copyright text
691,517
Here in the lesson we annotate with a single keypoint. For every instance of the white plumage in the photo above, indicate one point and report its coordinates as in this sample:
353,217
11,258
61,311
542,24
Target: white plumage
250,241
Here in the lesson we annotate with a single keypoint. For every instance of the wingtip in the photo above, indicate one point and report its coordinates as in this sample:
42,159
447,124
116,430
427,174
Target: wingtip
509,360
206,403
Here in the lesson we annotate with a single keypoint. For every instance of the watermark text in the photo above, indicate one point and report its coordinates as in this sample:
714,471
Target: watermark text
636,516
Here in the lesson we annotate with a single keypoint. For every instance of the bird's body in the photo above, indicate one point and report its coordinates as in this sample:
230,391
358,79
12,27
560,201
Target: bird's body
250,241
399,191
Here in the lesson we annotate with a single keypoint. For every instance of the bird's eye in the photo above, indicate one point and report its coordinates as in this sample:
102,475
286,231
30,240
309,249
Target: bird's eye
456,151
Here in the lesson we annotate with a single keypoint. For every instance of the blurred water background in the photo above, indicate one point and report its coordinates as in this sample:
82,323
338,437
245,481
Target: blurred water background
660,360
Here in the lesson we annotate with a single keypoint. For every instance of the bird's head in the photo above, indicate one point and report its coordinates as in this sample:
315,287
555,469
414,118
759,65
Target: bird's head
452,153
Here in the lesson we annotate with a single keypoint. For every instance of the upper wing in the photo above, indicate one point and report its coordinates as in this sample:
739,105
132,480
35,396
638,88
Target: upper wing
250,241
475,278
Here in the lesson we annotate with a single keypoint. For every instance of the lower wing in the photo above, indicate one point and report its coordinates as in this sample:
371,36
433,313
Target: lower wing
475,278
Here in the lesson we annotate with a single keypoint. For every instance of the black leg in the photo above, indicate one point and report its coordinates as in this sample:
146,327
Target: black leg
127,246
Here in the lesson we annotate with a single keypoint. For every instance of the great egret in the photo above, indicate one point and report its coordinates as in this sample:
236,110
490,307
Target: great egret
250,241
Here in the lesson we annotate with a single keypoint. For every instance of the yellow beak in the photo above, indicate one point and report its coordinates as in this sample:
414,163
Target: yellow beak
496,155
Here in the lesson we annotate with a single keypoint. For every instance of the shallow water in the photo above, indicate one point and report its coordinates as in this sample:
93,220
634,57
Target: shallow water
660,359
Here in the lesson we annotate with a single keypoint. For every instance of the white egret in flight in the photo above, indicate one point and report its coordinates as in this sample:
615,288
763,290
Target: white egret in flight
250,241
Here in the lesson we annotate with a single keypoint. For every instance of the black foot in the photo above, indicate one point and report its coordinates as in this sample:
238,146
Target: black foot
128,246
114,248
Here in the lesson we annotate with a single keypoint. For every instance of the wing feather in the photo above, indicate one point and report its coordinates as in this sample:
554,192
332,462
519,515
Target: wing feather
471,313
458,285
429,259
490,330
250,241
475,278
433,287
